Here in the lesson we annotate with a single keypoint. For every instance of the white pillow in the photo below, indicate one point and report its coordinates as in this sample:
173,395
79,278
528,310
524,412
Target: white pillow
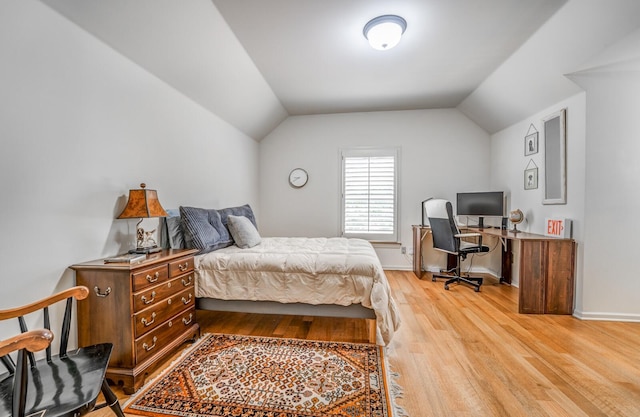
244,233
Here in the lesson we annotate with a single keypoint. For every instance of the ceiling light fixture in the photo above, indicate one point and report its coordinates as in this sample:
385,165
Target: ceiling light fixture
384,32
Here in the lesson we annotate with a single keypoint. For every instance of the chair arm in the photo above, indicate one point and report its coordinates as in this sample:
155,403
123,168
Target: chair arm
32,341
463,235
468,235
79,292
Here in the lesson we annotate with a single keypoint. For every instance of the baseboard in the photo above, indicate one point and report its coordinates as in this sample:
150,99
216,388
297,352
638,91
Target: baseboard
601,316
397,267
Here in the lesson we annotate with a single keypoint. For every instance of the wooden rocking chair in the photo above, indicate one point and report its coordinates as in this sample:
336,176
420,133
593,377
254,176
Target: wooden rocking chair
67,384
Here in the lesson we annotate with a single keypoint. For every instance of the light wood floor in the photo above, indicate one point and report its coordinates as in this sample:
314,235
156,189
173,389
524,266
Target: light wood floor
462,353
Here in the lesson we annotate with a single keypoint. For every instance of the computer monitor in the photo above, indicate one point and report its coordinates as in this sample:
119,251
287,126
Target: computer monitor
481,204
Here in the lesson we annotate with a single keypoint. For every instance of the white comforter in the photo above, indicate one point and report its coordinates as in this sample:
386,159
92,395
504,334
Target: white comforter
301,270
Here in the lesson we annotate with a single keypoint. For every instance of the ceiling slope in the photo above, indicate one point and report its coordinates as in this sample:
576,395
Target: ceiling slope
189,46
534,77
315,58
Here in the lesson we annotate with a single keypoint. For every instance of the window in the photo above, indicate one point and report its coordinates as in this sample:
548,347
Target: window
369,194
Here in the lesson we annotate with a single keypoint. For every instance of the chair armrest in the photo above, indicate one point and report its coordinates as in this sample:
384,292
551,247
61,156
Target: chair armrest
463,235
468,235
32,341
79,293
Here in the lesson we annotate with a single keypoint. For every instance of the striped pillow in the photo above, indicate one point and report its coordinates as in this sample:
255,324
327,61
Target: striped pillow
203,229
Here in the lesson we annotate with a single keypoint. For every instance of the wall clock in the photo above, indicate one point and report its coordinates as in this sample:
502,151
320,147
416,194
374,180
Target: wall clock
298,177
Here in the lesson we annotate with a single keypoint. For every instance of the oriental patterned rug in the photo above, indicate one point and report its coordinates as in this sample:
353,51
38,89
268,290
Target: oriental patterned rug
245,376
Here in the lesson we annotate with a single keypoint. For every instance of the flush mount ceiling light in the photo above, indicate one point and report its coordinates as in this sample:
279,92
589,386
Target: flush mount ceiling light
384,32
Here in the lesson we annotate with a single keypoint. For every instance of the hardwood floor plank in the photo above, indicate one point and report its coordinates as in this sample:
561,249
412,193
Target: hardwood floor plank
462,353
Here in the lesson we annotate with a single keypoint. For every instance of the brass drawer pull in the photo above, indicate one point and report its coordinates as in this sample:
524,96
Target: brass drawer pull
148,323
183,267
153,298
96,289
187,283
147,347
185,301
154,277
187,322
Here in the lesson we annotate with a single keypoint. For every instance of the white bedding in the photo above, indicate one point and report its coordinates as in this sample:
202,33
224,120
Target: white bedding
301,270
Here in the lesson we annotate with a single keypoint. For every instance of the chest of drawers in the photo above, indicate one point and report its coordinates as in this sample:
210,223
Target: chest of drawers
147,310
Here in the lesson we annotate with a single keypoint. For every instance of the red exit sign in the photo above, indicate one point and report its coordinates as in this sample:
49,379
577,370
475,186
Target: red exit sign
558,227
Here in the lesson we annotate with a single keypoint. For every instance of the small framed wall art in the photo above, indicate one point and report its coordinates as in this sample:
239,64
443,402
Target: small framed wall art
531,176
531,143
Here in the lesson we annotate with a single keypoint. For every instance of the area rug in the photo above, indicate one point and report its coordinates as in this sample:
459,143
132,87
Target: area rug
245,376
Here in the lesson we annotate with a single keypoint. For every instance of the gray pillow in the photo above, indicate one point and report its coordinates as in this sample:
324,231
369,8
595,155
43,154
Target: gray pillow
203,229
243,231
244,210
171,236
174,229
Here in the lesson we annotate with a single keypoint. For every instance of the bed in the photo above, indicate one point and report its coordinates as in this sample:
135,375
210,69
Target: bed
238,270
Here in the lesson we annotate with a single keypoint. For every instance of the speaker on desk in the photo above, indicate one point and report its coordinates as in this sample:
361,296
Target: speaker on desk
505,223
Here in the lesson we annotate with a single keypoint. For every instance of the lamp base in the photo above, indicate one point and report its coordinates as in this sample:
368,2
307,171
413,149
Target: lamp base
150,249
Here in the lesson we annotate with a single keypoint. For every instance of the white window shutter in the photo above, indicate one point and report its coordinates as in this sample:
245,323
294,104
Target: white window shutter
369,195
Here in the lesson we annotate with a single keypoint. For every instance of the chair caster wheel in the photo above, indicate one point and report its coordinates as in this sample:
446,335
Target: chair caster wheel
477,289
446,287
433,279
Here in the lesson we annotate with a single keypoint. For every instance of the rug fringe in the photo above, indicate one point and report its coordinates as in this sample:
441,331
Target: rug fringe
396,391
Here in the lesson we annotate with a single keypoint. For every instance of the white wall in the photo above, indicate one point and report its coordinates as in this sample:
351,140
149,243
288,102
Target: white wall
509,163
441,152
602,149
80,125
611,288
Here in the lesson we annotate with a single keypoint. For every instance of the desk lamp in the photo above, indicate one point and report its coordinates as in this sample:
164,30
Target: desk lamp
143,204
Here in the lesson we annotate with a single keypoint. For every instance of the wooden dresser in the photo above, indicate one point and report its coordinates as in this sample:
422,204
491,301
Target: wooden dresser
146,310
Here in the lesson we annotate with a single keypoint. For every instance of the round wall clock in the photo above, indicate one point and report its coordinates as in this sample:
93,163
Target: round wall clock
298,178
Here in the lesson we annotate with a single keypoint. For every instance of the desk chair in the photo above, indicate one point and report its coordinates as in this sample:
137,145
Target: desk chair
67,384
447,238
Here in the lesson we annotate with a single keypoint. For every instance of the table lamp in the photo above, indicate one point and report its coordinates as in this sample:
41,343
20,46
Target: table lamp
143,204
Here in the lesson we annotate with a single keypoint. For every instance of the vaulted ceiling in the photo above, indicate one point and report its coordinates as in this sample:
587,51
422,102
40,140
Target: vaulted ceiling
255,62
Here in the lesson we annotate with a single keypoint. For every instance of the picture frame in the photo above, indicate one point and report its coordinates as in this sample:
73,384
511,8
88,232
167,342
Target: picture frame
531,178
531,144
555,158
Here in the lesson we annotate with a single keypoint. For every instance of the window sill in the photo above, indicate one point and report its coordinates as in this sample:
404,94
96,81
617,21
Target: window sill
385,244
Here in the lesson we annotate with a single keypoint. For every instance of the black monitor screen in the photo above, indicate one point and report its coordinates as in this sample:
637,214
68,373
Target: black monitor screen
480,204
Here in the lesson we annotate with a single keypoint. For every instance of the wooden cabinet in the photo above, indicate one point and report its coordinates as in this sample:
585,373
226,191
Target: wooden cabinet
547,270
145,309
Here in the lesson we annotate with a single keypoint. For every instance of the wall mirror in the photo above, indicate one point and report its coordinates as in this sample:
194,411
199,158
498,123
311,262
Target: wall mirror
555,159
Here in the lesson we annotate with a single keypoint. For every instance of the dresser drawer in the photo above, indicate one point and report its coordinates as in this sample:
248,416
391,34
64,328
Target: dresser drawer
155,315
181,266
161,336
150,296
150,276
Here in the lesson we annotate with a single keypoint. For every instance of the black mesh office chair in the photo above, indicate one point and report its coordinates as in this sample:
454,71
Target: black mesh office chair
447,238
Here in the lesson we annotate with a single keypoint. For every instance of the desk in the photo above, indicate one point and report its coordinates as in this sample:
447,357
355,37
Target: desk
547,268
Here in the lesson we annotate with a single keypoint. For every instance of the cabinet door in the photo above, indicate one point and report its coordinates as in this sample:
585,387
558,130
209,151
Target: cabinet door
532,276
560,273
